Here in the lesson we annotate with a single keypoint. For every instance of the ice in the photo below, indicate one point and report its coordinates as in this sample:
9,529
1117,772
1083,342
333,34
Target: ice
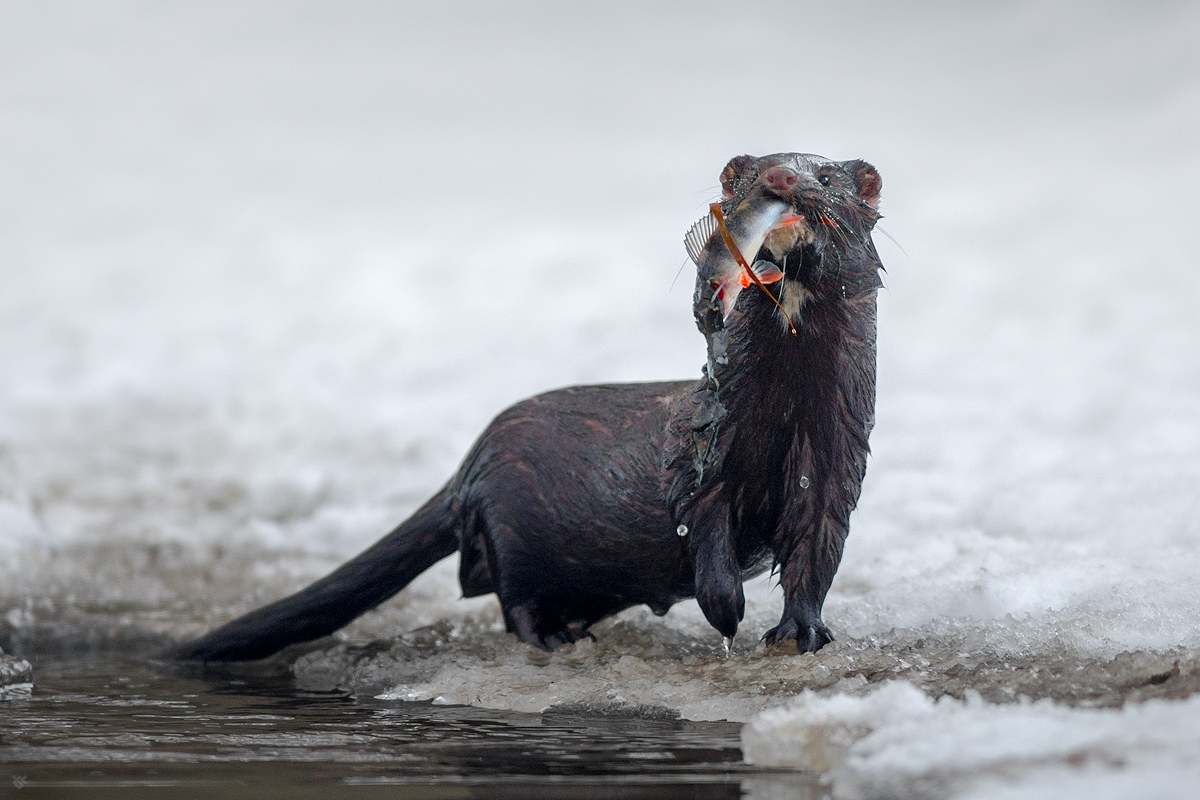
16,677
896,741
642,661
265,273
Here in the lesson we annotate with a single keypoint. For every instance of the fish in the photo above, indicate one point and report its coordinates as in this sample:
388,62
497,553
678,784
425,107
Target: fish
716,244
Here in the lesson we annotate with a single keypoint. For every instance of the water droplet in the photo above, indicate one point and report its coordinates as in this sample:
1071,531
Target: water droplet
682,530
804,482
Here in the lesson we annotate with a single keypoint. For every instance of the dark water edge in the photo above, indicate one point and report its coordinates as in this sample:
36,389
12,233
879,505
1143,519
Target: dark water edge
108,727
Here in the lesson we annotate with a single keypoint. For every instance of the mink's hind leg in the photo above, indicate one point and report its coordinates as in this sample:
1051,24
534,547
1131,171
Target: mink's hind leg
534,619
543,628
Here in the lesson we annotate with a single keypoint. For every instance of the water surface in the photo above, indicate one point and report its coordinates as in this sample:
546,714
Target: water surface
109,727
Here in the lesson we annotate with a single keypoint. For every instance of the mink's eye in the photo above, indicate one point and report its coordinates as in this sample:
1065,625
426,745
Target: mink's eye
823,180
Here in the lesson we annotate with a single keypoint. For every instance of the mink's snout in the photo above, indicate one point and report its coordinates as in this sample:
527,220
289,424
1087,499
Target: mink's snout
781,180
798,188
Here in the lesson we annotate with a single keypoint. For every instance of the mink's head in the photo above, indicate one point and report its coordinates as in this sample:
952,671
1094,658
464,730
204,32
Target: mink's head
827,246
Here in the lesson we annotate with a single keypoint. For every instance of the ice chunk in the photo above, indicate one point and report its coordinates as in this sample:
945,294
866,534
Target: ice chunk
16,676
896,741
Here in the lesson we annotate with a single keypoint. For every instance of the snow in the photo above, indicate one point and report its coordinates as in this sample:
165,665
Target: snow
896,741
266,270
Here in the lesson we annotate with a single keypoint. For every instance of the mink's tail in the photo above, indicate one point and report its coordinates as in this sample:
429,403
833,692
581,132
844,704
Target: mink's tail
385,568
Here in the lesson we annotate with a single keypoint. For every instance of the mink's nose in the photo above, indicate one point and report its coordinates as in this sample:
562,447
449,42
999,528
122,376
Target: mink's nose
780,179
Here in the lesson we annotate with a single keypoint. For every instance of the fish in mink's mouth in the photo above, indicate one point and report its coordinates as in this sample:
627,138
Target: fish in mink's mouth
777,220
764,222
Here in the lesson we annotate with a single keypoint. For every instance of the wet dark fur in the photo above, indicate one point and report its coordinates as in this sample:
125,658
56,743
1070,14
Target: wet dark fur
568,505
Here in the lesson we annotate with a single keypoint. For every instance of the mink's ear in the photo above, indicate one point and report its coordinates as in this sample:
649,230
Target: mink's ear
867,180
736,168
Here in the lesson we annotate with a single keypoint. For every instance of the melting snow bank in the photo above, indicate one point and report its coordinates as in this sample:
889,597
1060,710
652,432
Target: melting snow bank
457,653
640,664
896,741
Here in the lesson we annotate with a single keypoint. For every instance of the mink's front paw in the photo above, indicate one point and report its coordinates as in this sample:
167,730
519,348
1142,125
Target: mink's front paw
723,610
809,635
719,593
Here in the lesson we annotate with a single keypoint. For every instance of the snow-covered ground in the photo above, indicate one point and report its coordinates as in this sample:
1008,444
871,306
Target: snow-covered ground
266,269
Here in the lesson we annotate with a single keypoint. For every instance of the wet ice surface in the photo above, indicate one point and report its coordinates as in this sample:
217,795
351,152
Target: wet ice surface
110,727
266,274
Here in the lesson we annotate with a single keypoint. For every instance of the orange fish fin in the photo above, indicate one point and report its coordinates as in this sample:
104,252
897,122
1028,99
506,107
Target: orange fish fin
766,272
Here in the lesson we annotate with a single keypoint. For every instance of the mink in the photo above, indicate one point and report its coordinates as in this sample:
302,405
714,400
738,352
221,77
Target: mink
581,502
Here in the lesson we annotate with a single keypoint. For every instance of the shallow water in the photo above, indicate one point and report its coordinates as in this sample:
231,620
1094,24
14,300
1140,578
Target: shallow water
119,728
